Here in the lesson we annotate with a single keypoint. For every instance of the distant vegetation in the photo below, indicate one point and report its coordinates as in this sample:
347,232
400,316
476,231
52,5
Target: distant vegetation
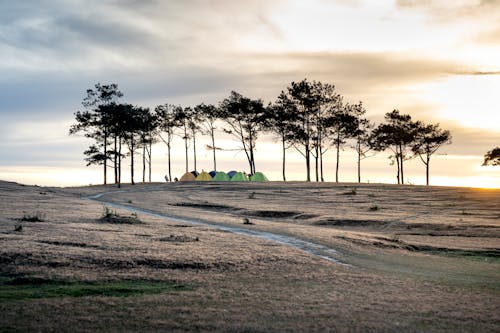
310,117
492,157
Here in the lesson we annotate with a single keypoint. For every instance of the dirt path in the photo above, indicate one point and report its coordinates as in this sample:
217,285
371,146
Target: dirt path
312,248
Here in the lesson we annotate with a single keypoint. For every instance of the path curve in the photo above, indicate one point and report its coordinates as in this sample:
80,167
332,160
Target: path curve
309,247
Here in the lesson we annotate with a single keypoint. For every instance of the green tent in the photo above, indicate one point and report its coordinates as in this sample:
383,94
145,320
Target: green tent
220,176
240,177
258,177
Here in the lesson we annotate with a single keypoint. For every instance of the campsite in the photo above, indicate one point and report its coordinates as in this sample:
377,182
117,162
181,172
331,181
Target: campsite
180,257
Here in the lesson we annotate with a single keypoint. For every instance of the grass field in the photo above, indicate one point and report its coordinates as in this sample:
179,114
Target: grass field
417,259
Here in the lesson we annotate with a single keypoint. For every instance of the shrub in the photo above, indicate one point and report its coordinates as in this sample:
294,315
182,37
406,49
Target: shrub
110,216
37,217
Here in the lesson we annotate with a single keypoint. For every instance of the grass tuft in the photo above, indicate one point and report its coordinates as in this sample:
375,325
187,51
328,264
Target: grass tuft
111,216
353,191
36,217
246,221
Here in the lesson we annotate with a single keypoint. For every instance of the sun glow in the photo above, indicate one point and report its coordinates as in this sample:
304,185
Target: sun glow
470,100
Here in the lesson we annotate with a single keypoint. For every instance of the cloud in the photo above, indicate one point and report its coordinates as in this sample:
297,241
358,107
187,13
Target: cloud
488,37
451,10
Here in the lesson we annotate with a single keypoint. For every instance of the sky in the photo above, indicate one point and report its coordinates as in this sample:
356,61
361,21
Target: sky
436,60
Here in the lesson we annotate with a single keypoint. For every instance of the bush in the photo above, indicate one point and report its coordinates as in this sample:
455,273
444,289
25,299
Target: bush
37,217
110,216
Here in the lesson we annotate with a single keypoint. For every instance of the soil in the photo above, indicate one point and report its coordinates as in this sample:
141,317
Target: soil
426,259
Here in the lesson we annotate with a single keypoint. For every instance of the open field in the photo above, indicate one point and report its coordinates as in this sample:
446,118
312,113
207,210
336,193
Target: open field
416,259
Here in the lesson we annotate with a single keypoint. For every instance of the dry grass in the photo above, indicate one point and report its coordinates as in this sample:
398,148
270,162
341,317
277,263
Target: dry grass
408,275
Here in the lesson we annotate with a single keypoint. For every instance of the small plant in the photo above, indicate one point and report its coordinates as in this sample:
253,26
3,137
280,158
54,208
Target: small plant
130,201
108,213
37,217
246,221
373,208
353,191
111,216
251,195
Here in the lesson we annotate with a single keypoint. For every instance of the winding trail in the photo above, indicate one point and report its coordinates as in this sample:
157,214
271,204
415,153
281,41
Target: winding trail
314,249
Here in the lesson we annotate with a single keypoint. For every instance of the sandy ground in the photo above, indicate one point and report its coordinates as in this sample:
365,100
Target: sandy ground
419,259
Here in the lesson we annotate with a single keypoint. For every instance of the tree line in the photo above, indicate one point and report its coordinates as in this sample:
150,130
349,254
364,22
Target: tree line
310,117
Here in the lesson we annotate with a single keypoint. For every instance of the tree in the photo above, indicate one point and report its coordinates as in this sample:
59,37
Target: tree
167,122
95,122
302,96
362,135
182,116
194,119
397,134
131,129
428,139
342,125
209,115
117,119
326,103
492,157
281,119
243,117
148,134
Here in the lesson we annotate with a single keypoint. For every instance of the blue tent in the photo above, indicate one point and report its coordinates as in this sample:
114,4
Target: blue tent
231,173
212,173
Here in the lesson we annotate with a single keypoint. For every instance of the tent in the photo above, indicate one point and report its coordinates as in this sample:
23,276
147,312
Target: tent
231,173
221,176
240,177
187,177
204,176
195,173
212,173
258,177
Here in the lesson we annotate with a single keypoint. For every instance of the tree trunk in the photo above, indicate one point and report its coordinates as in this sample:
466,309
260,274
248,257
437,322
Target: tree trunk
359,162
338,157
213,149
401,157
316,161
396,156
169,160
132,161
150,156
105,162
186,148
398,175
119,162
144,163
194,151
283,141
308,165
115,159
252,158
427,170
321,163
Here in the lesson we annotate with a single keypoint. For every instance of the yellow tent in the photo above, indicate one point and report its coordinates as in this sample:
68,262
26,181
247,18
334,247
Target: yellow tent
204,176
187,177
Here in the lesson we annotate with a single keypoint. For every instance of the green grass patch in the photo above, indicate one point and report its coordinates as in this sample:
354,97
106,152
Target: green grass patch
36,217
25,287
